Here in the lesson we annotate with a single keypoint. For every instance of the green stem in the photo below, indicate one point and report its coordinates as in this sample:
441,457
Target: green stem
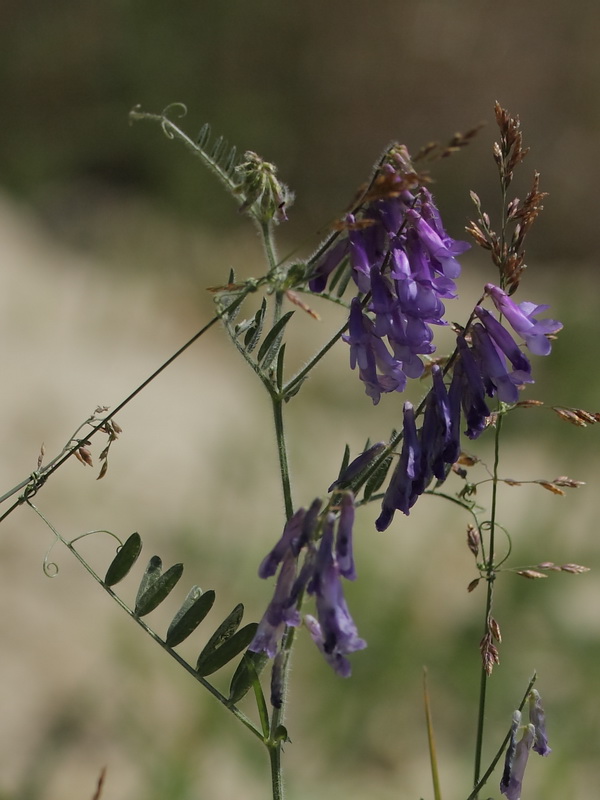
279,713
490,577
480,784
38,479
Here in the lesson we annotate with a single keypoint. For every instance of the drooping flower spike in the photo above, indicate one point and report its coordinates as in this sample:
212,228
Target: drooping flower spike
321,575
400,253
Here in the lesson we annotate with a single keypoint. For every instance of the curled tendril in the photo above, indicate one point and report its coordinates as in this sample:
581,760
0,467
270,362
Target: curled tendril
90,533
486,526
50,567
165,121
36,482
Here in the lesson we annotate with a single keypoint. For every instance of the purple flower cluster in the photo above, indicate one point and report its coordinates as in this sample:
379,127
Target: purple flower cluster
325,564
401,257
491,364
534,737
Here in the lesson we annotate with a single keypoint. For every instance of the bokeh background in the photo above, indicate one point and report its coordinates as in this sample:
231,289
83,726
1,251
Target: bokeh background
110,234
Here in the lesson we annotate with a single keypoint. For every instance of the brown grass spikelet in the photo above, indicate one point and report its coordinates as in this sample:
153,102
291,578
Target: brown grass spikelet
473,539
489,653
532,574
473,585
569,483
550,487
84,455
549,565
296,300
577,416
574,569
494,629
529,404
569,415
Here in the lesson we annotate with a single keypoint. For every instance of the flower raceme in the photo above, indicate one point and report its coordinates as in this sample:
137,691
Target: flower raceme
487,363
400,255
333,630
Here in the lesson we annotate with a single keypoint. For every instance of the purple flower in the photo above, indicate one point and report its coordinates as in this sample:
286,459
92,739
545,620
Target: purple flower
492,366
336,660
343,541
468,384
367,245
290,541
521,318
378,369
439,438
339,635
280,612
442,253
512,780
325,265
505,342
538,720
402,493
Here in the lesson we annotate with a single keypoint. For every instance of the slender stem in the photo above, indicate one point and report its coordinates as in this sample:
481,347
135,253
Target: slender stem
188,667
37,479
300,376
494,761
490,577
282,454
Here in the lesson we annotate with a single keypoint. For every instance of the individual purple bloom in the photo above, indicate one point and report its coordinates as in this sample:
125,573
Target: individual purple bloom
537,718
325,265
521,318
343,541
430,213
492,366
358,465
401,494
336,660
383,303
467,381
441,252
378,369
339,632
439,444
505,342
280,612
308,525
366,251
511,749
511,784
291,540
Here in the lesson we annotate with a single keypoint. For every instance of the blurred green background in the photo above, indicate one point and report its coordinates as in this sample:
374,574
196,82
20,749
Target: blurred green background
111,234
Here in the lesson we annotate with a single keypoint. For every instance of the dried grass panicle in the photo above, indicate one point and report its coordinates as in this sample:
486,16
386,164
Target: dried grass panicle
489,653
577,416
509,153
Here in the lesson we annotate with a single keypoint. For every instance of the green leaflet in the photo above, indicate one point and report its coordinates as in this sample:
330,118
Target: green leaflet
270,346
377,478
155,587
124,560
254,332
247,670
211,661
225,630
195,607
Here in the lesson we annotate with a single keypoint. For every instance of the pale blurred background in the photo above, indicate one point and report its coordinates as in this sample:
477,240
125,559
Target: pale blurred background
110,234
